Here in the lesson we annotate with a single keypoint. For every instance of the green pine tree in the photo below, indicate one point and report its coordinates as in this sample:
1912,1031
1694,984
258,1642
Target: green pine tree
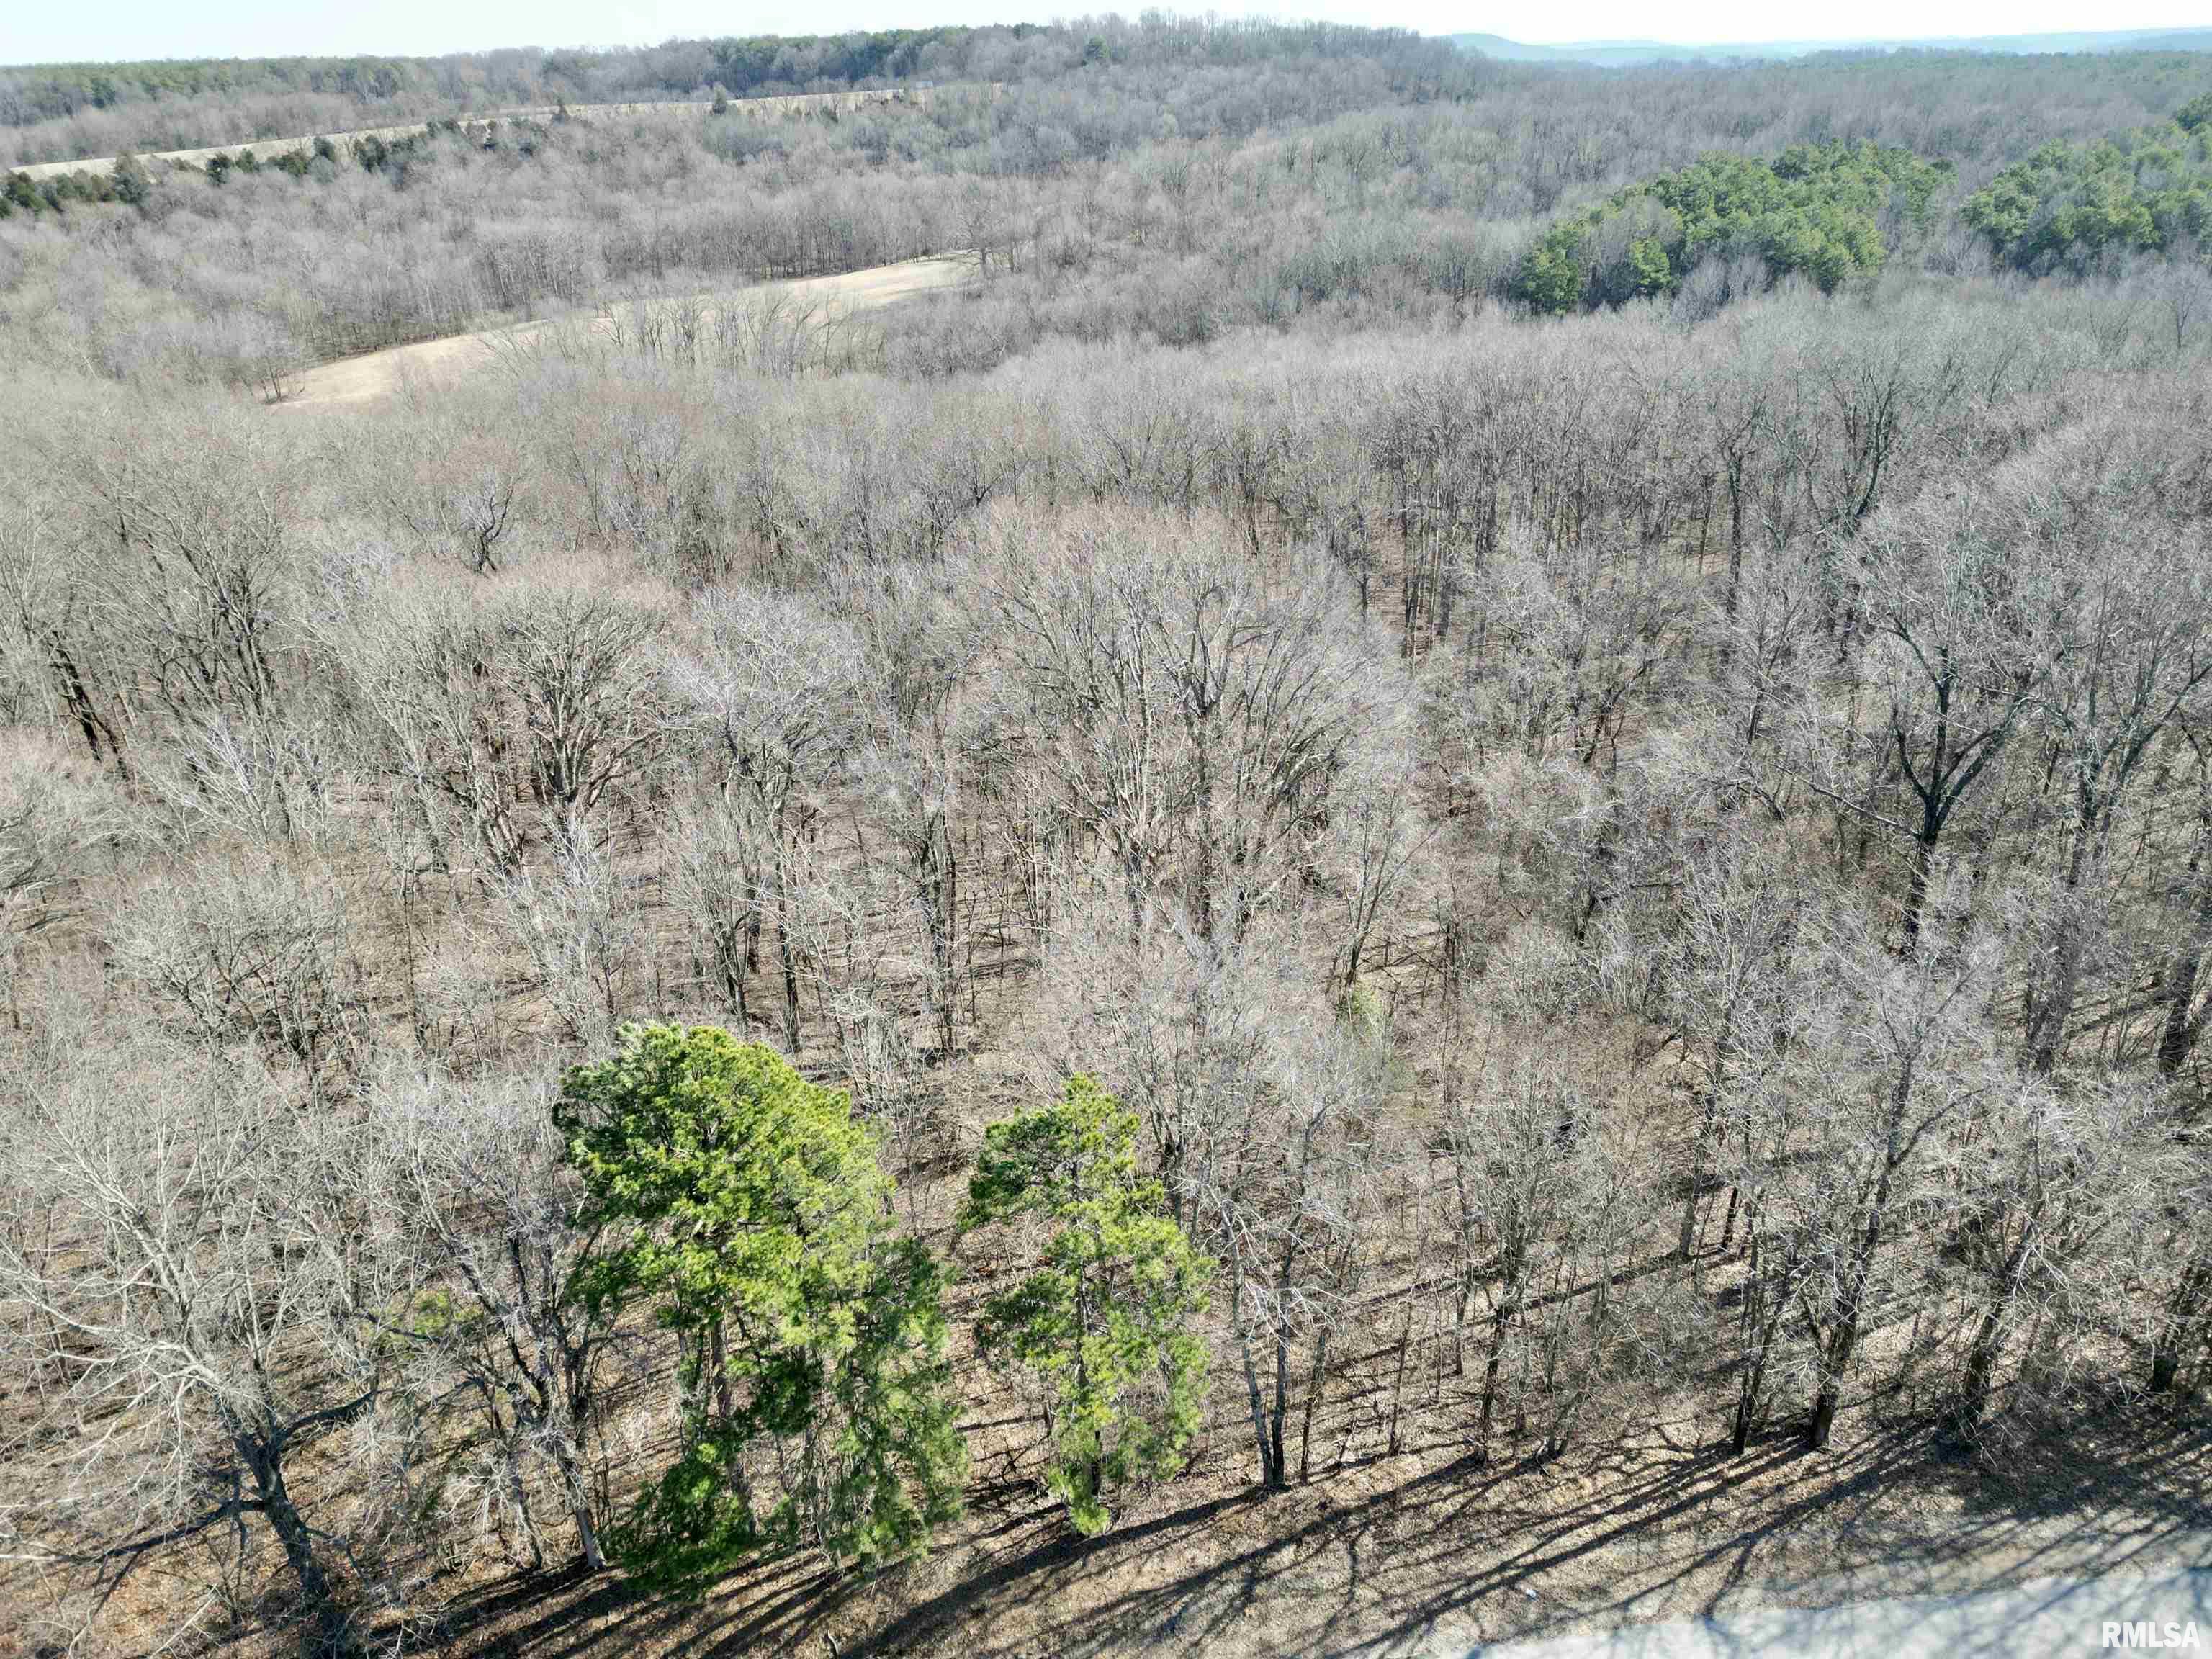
133,185
1552,276
1106,1319
1648,269
748,1208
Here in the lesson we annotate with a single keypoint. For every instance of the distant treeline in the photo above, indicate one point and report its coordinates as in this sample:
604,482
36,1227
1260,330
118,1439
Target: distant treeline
742,65
51,112
49,92
55,92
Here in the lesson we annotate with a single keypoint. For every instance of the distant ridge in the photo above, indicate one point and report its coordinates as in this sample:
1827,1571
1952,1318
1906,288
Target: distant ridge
1626,54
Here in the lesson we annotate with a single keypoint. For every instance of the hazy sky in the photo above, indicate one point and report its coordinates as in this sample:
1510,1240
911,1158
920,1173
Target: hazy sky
38,31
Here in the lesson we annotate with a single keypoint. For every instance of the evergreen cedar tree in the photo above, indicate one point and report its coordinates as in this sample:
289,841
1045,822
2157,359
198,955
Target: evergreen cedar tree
749,1213
1105,1320
1819,211
2149,191
1814,209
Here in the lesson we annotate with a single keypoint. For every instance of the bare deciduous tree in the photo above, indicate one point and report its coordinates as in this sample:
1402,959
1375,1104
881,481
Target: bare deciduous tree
475,1172
187,1280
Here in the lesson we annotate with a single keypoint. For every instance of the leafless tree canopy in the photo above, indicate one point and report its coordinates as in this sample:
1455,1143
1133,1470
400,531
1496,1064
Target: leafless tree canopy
1646,870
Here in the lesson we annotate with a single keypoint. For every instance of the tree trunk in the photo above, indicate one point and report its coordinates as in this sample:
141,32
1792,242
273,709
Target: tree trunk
1765,1303
1498,1326
1259,1407
790,967
1398,1374
2047,1024
1278,1465
79,700
518,1493
329,1632
1989,1334
733,986
2182,1327
2178,984
1916,896
1836,1360
718,1362
1981,1368
2178,988
578,1492
1314,1382
1735,550
939,873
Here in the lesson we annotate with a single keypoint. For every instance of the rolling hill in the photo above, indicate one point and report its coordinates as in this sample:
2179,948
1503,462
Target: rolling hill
1628,54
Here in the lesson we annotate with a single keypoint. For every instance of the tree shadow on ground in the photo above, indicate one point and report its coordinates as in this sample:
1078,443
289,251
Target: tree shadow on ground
1459,1548
567,1615
1475,1548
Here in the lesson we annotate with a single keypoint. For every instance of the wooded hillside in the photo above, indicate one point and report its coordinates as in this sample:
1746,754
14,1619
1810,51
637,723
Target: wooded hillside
1014,972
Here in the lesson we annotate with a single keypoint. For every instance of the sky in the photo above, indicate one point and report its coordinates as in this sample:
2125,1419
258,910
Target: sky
34,32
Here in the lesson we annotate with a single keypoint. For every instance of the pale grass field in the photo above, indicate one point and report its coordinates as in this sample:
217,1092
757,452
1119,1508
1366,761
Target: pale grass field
375,376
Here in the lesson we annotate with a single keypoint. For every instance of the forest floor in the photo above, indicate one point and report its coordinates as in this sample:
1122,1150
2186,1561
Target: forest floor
1434,1553
373,376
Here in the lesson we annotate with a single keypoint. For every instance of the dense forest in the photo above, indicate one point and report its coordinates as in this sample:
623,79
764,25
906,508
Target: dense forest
2147,190
1466,828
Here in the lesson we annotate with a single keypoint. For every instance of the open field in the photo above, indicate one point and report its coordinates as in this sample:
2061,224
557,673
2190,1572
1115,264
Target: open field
428,364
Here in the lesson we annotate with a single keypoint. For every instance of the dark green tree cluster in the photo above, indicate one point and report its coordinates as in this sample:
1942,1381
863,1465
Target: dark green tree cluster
396,157
128,182
1828,211
21,194
2148,190
48,90
745,1209
762,60
750,1215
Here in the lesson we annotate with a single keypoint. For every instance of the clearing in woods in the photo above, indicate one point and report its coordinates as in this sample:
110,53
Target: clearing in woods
374,376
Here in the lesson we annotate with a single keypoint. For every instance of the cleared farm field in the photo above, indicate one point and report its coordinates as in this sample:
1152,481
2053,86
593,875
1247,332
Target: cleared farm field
375,375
